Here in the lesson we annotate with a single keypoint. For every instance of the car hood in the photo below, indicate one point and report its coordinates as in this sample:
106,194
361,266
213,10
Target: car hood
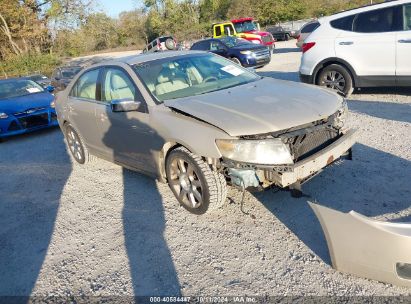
262,34
23,103
263,106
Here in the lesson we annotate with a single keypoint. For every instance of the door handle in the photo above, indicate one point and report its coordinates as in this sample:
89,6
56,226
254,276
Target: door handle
346,43
404,41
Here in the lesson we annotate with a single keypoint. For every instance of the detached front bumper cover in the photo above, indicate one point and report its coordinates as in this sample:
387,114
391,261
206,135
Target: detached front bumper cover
367,248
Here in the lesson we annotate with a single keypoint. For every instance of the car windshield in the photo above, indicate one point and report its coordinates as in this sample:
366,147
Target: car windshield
19,87
232,41
69,73
37,77
191,75
246,26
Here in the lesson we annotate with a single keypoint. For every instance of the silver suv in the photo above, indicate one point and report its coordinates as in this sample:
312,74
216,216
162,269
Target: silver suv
197,121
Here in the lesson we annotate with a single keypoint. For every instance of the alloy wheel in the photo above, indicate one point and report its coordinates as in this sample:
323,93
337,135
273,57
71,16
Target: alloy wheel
334,80
74,145
186,183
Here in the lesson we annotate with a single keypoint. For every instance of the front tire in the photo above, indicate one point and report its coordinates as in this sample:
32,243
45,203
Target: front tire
336,78
236,60
195,185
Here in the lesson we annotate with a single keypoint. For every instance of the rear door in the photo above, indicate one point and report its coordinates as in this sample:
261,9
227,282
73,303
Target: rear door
81,104
404,49
369,45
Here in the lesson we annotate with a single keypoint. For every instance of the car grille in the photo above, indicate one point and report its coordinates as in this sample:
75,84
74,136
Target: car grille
267,39
305,145
34,121
262,56
28,111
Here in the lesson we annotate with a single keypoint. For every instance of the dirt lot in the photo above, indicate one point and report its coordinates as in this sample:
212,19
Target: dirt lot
68,229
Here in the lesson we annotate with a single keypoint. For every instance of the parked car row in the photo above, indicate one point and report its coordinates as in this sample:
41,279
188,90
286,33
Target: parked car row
199,120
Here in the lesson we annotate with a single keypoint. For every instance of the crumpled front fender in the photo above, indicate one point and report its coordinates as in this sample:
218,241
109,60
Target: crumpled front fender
367,248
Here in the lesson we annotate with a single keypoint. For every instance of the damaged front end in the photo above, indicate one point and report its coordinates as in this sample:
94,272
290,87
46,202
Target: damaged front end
289,157
367,248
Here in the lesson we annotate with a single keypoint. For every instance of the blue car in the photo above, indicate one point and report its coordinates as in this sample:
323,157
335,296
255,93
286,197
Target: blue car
238,50
25,107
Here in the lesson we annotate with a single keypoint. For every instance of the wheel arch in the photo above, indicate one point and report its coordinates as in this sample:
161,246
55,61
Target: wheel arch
165,151
170,146
334,60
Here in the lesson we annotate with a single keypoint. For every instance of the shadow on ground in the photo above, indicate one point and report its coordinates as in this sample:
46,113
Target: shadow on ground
287,50
385,110
151,264
291,76
374,184
30,195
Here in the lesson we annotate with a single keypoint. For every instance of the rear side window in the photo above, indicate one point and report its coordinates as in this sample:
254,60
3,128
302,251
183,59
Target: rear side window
228,30
85,86
407,17
344,23
311,27
379,21
201,46
218,31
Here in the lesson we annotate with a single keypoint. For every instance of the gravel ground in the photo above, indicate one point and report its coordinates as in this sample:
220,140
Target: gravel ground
98,229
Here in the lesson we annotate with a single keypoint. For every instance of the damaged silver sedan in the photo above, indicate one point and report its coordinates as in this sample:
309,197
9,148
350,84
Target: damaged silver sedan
197,121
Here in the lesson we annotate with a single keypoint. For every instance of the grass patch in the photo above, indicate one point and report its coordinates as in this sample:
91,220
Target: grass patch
28,64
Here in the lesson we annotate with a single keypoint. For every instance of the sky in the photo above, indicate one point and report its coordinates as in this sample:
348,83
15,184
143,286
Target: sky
114,7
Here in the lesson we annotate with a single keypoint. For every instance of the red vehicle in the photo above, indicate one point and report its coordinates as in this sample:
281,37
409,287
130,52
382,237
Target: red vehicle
251,29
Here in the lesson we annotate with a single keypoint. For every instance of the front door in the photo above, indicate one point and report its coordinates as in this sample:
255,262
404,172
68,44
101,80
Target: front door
404,50
126,136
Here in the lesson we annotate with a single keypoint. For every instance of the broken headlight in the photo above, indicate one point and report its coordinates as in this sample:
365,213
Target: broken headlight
265,152
339,118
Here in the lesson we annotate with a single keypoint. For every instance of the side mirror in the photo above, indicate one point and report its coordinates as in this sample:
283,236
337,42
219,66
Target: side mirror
124,105
50,89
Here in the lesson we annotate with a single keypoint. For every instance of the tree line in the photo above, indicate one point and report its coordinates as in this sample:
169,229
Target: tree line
74,27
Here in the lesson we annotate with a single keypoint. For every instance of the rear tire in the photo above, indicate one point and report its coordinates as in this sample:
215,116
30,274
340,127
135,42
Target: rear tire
337,78
76,145
287,37
195,185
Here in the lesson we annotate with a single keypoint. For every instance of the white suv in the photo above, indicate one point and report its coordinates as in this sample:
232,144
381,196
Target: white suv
364,47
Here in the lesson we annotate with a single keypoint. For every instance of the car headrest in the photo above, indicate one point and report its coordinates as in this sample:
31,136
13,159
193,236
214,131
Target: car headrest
118,82
165,75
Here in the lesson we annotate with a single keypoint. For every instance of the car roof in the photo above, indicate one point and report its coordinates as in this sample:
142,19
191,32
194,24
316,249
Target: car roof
136,59
365,8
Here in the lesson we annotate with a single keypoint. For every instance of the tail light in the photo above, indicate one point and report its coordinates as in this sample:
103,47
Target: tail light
307,46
